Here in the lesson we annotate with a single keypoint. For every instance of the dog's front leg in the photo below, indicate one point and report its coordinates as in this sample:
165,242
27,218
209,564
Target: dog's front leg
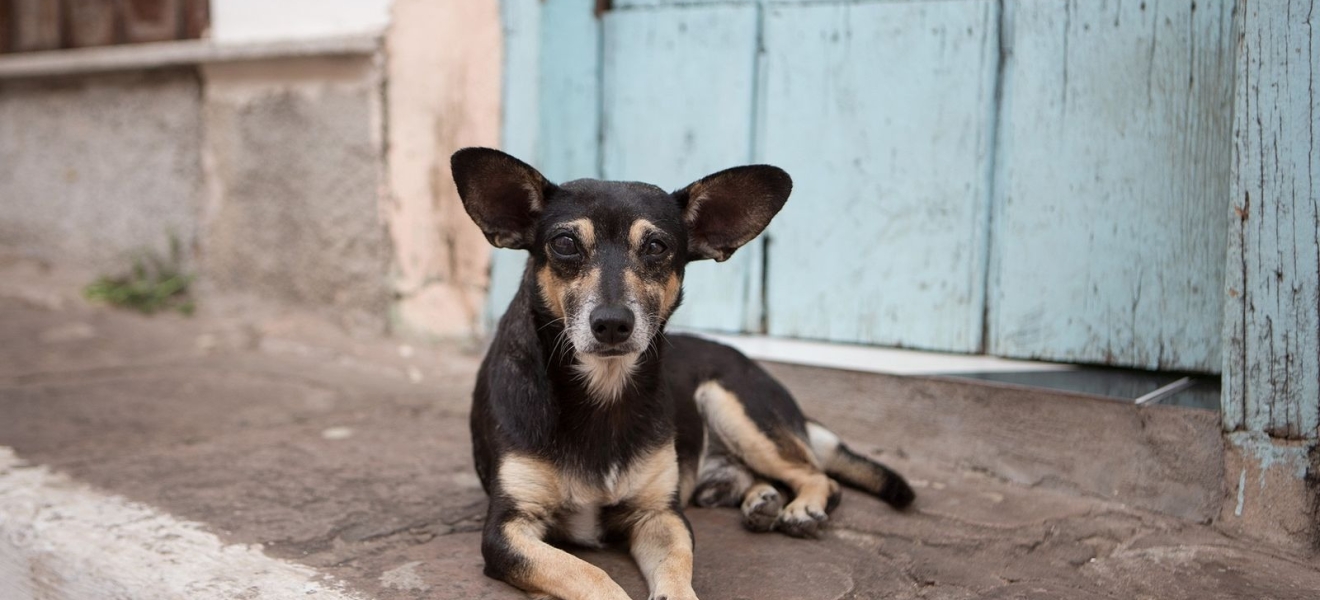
516,552
661,542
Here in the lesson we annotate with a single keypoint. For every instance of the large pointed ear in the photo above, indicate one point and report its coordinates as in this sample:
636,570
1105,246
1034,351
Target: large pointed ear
502,194
726,210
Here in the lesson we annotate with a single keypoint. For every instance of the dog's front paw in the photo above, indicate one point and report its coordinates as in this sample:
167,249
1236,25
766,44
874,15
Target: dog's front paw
801,519
686,594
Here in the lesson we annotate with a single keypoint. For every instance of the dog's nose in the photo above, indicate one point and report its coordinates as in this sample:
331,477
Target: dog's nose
611,324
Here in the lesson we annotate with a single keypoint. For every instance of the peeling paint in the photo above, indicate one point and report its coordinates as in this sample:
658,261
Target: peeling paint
1241,492
1273,453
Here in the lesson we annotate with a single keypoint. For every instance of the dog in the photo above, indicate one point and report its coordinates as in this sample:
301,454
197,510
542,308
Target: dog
591,425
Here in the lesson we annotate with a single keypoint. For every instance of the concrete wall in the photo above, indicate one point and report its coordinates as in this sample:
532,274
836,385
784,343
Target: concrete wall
294,152
440,97
267,157
93,169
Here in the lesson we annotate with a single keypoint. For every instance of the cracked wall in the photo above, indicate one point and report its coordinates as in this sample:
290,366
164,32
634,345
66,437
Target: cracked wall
443,94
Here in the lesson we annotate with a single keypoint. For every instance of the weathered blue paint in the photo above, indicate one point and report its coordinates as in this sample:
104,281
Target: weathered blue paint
1109,220
627,4
521,23
678,104
552,81
1272,332
882,113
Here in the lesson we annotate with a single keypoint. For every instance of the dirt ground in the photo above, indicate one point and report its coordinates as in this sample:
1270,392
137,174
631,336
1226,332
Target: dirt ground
349,453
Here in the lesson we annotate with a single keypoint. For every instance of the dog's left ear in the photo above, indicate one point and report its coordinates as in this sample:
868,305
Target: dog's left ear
726,210
502,194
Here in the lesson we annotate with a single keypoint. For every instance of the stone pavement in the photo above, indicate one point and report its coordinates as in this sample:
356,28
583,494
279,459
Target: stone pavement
344,457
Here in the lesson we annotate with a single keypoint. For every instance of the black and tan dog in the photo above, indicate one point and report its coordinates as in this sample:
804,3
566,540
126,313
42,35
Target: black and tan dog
590,424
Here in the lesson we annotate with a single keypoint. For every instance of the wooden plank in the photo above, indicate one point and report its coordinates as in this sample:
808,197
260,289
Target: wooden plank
1109,215
196,19
881,112
568,139
36,25
678,105
91,23
1272,358
556,127
6,26
627,4
151,20
521,21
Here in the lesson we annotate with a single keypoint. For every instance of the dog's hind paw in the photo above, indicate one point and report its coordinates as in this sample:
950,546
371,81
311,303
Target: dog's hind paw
761,508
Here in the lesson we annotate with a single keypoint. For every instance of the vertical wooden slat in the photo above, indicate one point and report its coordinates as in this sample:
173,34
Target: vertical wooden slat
90,23
679,91
196,19
150,20
1109,228
36,25
553,106
568,136
6,26
1272,336
882,113
521,21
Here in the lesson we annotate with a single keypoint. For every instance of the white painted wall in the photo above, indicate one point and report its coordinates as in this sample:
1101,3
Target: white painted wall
267,20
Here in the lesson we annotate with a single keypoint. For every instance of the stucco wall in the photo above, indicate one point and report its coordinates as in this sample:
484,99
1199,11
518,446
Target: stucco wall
93,169
293,152
443,94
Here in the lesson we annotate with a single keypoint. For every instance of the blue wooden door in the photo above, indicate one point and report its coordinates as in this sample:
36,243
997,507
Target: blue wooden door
881,113
663,67
1029,178
1111,205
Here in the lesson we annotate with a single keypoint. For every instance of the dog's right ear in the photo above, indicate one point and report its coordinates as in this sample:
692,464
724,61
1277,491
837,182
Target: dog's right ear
502,194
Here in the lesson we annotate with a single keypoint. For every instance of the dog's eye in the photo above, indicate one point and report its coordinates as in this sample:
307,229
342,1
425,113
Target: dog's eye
656,248
564,245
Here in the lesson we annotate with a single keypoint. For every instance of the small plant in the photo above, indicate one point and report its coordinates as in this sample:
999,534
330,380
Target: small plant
154,283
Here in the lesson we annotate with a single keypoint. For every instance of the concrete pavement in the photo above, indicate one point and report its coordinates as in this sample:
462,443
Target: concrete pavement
256,453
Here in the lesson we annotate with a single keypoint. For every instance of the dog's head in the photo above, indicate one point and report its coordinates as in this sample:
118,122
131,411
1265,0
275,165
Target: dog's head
609,256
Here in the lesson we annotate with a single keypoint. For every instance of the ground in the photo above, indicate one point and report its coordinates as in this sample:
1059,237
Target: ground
347,455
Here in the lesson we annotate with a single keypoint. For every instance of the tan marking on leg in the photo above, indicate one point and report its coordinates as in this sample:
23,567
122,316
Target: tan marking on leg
662,547
552,571
535,486
726,417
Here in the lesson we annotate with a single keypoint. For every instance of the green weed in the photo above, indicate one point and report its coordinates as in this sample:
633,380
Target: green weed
153,283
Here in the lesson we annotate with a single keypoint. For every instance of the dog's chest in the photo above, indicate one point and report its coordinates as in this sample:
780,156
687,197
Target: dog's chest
572,503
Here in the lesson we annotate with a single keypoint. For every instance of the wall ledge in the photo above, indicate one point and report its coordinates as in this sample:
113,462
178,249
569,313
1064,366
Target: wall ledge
161,55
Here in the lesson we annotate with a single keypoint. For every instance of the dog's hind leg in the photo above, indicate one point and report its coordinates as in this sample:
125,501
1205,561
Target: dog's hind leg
856,470
722,478
781,456
725,481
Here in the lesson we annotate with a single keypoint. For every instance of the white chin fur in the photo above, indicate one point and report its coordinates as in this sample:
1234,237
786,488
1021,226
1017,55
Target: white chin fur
606,376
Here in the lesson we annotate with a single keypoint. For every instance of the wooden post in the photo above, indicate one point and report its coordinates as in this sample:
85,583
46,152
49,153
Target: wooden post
35,25
1271,395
